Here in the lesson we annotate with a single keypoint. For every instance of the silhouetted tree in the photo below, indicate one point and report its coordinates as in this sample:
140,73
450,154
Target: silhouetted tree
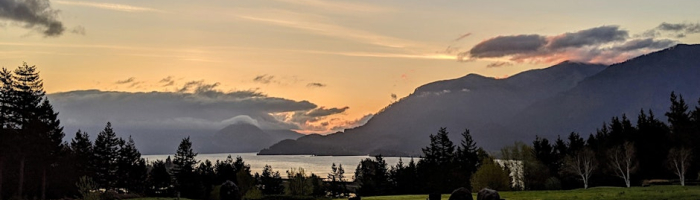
437,165
82,151
130,167
187,182
159,179
106,151
466,160
207,175
271,181
372,177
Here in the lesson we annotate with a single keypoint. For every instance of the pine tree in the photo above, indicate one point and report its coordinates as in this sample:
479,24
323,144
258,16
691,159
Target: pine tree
467,159
183,170
128,165
679,120
82,150
159,179
106,153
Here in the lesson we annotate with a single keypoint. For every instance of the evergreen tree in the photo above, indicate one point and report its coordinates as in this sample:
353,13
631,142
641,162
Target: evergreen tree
159,179
271,181
372,177
437,165
106,153
679,120
206,173
652,144
184,161
82,150
129,166
225,170
467,160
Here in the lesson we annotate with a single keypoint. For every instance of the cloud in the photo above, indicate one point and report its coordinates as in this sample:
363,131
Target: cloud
676,30
644,43
335,6
315,84
593,36
462,36
125,81
322,26
605,44
80,30
109,6
508,45
264,79
167,81
498,64
242,119
342,125
32,14
322,111
201,107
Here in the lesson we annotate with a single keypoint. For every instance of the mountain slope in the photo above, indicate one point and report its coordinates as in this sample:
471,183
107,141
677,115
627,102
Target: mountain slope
243,137
473,101
644,82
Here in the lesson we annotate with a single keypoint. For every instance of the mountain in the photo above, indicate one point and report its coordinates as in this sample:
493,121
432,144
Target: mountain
473,101
244,137
546,102
644,82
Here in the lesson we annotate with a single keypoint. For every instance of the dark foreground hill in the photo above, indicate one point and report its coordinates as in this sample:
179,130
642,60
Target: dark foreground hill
547,102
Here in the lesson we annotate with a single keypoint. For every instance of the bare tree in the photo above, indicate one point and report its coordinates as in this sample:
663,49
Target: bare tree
679,162
622,161
581,163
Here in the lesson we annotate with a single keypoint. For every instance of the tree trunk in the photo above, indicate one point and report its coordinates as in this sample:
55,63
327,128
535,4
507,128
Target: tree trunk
43,183
682,181
21,176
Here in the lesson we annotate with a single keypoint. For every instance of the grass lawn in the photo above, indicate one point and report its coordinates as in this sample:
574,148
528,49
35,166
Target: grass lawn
634,193
159,198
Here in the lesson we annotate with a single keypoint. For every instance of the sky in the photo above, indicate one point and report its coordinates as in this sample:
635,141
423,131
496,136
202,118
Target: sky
314,66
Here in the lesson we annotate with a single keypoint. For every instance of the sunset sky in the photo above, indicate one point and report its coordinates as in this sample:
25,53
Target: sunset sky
362,55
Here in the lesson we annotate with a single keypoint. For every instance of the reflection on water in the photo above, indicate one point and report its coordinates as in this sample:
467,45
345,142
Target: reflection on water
319,165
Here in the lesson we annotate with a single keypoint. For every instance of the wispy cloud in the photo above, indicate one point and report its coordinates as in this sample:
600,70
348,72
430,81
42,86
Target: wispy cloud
109,6
125,81
315,85
434,56
314,24
335,6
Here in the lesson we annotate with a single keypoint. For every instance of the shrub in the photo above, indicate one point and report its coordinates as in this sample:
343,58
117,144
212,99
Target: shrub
87,188
490,175
552,183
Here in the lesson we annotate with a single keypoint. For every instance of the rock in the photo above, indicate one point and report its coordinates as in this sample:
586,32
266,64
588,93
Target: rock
434,196
488,194
229,191
461,194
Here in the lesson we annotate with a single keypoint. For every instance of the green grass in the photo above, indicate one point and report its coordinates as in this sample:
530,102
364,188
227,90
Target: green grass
634,193
159,198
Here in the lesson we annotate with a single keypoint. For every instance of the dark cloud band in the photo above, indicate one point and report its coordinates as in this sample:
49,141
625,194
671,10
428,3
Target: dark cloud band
33,14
